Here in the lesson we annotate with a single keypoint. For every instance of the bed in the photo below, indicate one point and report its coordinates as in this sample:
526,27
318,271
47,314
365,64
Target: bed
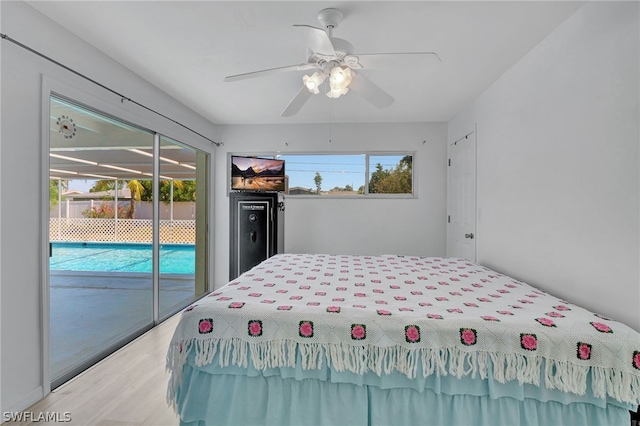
396,340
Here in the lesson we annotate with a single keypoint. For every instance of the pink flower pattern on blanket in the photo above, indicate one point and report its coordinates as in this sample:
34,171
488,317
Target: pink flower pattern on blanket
358,331
601,327
205,326
489,318
546,322
255,328
468,336
306,329
412,333
529,341
584,351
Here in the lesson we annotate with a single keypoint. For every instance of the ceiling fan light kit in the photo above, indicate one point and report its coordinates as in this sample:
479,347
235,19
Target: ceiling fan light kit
339,81
312,82
334,59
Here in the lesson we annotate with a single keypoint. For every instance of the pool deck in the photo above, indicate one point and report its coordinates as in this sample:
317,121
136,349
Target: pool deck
89,311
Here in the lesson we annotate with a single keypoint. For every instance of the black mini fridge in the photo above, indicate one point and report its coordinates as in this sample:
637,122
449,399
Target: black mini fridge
254,230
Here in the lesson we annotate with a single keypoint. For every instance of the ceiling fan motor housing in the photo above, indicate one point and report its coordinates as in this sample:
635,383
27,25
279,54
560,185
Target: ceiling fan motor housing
342,48
330,18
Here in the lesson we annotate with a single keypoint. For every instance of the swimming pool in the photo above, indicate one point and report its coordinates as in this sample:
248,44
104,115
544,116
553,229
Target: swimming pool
113,257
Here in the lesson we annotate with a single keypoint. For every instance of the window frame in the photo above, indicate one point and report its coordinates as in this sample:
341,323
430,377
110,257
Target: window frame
367,154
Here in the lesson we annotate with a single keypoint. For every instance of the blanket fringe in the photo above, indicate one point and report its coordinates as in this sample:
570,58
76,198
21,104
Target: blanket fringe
175,361
562,375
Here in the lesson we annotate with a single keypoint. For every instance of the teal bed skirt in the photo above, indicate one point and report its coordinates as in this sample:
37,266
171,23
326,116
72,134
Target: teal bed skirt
211,395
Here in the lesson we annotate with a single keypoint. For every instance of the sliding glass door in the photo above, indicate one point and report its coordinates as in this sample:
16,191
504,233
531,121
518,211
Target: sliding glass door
127,233
183,200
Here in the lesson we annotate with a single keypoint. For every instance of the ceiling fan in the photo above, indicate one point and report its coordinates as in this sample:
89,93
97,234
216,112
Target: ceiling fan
333,60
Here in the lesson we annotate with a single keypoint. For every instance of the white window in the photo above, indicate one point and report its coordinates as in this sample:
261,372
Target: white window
380,174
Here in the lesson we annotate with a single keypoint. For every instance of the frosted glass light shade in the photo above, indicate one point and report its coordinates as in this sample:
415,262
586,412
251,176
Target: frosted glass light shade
339,81
313,82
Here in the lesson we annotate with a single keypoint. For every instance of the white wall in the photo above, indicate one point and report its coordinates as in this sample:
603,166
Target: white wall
352,225
23,74
558,163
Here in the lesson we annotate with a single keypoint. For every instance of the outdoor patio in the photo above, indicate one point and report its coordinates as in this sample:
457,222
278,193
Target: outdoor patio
92,310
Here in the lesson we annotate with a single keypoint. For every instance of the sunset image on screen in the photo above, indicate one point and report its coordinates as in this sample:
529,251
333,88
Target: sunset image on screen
257,174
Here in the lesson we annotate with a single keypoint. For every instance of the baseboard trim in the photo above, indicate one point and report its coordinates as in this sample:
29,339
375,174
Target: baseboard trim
25,402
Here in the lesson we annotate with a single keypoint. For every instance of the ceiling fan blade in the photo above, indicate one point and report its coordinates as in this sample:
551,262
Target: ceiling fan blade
319,41
296,103
270,71
365,88
388,60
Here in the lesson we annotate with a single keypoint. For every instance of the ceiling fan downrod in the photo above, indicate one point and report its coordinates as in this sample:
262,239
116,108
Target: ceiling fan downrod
330,19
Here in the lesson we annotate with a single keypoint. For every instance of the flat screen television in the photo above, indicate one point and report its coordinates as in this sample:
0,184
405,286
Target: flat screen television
257,174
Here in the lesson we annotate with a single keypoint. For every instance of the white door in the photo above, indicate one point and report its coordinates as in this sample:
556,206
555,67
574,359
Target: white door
461,198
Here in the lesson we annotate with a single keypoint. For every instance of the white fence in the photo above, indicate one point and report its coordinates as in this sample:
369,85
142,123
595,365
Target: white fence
182,210
121,230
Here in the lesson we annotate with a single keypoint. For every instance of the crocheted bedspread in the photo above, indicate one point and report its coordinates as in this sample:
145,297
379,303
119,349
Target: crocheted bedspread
384,313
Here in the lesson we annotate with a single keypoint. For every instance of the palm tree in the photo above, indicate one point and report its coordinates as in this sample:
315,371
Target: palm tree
104,185
54,191
136,189
165,190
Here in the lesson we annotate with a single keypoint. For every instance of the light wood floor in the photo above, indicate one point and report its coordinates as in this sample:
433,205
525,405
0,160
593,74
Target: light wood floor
127,388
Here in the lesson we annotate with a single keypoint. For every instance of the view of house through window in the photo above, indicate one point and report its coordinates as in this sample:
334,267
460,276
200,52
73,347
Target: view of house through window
349,174
101,227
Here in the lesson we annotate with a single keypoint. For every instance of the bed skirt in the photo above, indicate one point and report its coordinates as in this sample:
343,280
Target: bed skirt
286,396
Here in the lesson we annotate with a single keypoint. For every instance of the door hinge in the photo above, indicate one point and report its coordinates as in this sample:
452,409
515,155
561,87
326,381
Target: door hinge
448,219
449,162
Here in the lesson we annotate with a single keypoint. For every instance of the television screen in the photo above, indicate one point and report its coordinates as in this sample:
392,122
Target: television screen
257,174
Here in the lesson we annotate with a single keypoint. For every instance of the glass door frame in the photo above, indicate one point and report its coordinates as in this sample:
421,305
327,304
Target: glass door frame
162,127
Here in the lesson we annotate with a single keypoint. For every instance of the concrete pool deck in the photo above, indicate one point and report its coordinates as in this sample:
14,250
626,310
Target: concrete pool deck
89,311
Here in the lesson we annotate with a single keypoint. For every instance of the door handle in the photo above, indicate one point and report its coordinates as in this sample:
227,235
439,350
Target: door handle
469,235
252,236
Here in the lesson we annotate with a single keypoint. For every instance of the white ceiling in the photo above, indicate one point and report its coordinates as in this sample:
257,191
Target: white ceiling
186,48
